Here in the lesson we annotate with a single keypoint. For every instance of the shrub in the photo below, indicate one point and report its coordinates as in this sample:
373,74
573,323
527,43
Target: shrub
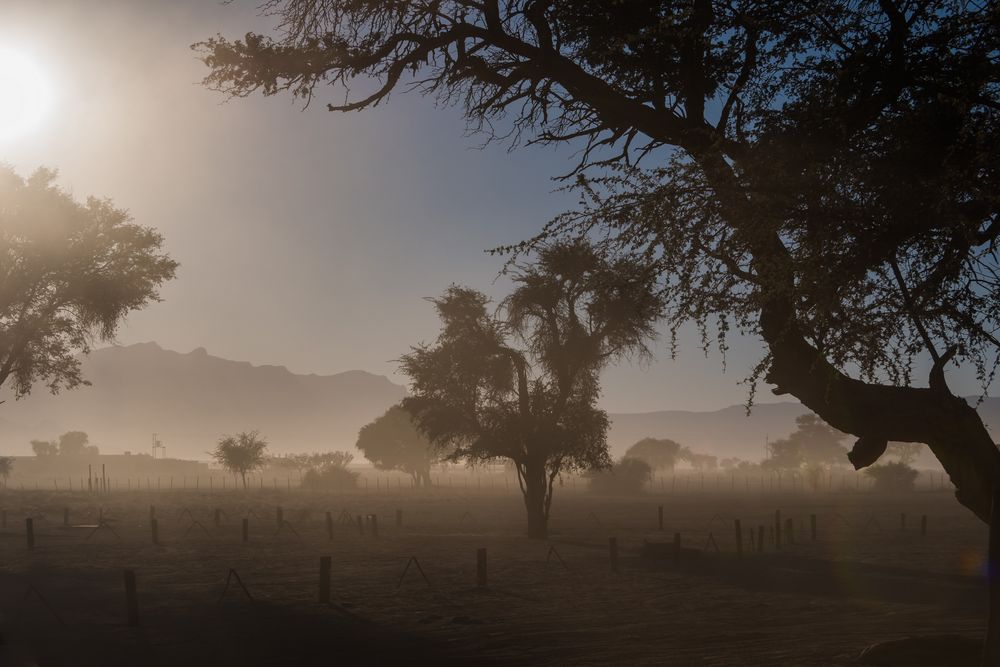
329,478
627,477
893,477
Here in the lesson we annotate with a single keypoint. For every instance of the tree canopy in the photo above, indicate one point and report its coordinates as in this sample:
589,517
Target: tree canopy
657,453
393,442
69,274
70,443
820,174
522,384
241,454
812,443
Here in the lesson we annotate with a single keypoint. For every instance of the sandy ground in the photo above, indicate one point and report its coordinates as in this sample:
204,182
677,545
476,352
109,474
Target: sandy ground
863,580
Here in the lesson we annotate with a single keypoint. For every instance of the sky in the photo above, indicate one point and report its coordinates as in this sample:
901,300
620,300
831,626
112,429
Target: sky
305,238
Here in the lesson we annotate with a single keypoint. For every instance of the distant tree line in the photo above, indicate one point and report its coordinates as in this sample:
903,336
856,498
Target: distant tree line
71,443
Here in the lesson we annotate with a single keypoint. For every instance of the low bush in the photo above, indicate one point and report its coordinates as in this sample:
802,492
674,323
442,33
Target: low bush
893,477
329,478
627,477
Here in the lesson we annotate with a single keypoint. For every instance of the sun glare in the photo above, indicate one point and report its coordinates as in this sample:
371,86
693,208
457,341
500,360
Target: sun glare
25,95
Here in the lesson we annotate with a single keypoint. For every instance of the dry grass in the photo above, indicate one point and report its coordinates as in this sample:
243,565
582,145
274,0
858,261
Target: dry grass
813,603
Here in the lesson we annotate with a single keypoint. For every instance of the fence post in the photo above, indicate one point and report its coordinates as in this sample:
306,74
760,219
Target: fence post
760,539
777,529
131,599
324,579
923,526
481,567
790,531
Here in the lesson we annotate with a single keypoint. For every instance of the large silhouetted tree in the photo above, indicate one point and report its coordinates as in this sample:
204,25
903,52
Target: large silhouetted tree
824,174
393,442
522,384
69,274
832,188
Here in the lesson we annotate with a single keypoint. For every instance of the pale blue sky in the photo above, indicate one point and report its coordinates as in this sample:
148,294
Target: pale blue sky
305,238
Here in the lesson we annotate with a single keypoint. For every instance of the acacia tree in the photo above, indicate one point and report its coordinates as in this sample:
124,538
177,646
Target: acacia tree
657,453
824,173
810,142
241,454
812,442
43,448
69,274
522,384
393,442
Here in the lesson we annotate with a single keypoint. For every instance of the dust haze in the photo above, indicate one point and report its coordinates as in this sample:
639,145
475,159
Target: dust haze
499,333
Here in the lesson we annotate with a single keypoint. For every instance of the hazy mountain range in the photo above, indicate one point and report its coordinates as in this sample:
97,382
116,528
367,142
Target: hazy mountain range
189,400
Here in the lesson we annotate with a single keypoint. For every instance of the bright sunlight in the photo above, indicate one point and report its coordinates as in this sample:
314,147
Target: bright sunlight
25,95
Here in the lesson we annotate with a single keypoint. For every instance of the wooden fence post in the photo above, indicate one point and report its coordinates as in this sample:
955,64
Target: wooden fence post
324,579
481,567
131,599
777,529
790,531
760,539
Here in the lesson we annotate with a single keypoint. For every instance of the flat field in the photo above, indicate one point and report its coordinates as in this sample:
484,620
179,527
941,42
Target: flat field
865,578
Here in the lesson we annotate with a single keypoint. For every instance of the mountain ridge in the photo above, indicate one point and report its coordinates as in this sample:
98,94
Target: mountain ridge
192,398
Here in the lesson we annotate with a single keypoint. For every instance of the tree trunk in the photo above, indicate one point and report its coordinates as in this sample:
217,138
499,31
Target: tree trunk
535,490
991,648
879,413
244,476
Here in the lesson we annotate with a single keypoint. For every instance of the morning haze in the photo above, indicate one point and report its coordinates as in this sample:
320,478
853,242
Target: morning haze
355,332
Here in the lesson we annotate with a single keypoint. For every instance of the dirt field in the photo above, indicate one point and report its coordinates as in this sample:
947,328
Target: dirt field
863,580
